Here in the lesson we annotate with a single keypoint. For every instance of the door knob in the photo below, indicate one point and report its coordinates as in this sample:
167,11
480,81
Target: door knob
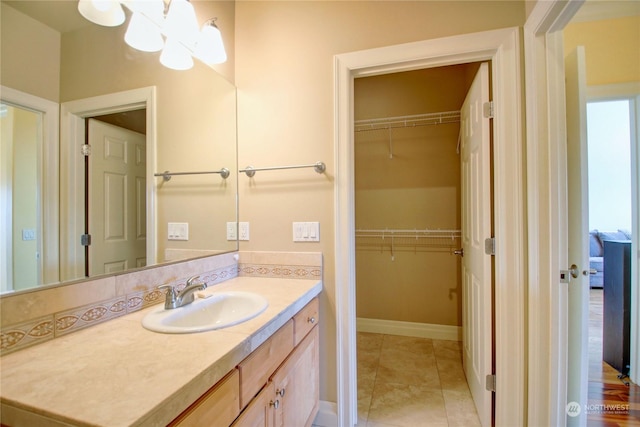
459,252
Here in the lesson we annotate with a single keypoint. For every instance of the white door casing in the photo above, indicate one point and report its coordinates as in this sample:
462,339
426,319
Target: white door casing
578,229
502,48
49,169
117,198
476,227
72,132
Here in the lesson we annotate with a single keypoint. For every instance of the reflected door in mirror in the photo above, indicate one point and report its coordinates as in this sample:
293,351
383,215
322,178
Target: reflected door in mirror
117,199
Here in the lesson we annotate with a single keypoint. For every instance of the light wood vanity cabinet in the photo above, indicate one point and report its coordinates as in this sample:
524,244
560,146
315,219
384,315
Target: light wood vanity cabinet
217,407
275,386
290,397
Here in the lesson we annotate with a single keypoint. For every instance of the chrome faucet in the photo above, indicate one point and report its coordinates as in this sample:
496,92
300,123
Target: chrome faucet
175,299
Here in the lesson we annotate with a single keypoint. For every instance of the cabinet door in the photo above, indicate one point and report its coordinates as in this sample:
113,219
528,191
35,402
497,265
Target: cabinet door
296,385
260,412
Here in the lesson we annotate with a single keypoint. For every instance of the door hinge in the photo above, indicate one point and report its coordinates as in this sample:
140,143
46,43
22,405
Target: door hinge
85,240
490,246
490,383
86,150
487,110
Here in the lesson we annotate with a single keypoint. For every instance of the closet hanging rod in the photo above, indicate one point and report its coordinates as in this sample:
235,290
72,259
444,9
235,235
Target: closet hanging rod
166,175
319,167
407,121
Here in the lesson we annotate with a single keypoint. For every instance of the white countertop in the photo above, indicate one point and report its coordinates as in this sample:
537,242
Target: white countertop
120,374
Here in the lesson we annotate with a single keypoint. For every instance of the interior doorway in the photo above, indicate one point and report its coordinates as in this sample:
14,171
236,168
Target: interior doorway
501,47
413,139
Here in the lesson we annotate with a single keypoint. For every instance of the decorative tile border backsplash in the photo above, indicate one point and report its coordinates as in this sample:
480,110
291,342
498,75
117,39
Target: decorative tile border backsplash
30,332
39,316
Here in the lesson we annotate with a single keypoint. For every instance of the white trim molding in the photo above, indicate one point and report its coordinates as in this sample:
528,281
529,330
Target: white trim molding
547,249
48,182
502,48
72,135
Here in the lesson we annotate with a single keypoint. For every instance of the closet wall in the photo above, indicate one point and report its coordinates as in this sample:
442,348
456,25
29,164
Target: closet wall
409,178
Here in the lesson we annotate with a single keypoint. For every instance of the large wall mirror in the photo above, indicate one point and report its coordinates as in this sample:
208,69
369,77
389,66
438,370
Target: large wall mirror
88,123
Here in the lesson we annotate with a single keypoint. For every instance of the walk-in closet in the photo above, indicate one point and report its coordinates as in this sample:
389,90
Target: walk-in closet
408,240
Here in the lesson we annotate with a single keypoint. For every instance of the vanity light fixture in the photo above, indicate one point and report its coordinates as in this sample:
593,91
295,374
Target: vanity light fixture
154,27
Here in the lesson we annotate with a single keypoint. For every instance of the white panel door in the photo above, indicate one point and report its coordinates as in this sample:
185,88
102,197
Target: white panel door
578,211
476,227
117,198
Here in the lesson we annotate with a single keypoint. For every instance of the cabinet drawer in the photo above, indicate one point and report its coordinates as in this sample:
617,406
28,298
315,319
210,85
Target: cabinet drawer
256,369
306,319
217,407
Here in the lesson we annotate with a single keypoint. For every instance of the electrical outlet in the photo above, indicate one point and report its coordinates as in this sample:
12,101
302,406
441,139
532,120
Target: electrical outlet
243,230
306,231
232,230
178,231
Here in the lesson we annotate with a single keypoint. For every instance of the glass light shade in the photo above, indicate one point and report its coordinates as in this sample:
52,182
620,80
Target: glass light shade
175,55
210,48
142,34
181,23
108,13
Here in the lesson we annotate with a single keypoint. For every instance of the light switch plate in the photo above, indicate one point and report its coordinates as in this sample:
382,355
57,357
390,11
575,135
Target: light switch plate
178,231
306,231
232,230
243,230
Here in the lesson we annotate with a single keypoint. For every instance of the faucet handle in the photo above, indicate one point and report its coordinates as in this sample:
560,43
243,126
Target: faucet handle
170,297
170,289
192,279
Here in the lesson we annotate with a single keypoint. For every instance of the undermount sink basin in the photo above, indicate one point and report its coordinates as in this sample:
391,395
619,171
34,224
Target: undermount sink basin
220,310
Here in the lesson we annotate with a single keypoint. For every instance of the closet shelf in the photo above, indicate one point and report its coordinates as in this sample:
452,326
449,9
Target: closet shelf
407,121
409,233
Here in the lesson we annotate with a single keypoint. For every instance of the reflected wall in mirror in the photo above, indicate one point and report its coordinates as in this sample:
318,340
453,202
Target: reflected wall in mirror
190,126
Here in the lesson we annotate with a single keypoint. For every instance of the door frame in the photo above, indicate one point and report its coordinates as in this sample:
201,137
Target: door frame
547,221
47,181
72,137
502,48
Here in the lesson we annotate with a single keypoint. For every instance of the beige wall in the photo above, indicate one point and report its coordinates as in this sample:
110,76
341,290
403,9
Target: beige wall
612,49
284,74
30,55
419,188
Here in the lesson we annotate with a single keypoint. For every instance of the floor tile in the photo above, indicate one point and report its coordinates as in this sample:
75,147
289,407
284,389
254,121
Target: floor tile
412,382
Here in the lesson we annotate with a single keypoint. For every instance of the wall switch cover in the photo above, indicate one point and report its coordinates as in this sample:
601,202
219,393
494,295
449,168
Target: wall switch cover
28,234
232,230
243,230
178,231
306,231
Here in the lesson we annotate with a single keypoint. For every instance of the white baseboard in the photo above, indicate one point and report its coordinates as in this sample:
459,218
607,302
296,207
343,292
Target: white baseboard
409,329
327,414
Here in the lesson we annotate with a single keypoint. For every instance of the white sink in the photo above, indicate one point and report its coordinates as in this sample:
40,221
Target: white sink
220,310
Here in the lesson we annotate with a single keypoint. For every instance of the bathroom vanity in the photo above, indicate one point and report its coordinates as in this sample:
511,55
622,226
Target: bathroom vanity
260,372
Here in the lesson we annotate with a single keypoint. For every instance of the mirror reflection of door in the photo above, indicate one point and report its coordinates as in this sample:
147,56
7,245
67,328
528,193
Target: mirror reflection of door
115,201
20,191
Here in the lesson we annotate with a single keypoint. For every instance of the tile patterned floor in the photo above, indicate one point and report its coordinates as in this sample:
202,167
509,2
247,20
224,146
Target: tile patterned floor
413,382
